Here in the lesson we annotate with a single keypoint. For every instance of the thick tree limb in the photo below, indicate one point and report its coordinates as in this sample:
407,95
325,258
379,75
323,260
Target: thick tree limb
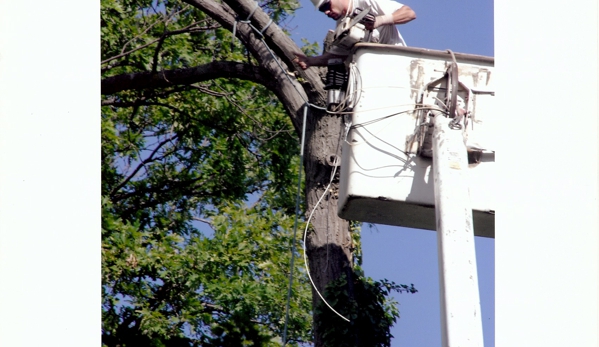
280,43
289,91
166,78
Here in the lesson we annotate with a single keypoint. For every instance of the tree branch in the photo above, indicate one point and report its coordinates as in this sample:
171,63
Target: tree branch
162,19
166,78
282,45
209,91
198,219
190,186
149,159
288,90
189,29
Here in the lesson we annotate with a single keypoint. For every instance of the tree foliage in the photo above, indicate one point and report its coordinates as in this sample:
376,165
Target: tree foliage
226,289
177,158
199,172
370,309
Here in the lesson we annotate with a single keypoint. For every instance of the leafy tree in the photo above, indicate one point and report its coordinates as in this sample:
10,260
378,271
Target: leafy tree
199,170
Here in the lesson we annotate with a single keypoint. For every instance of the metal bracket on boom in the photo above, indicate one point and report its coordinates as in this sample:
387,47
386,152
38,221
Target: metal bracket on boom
336,82
446,104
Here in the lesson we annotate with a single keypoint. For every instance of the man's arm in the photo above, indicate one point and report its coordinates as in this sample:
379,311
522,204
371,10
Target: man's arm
320,60
401,16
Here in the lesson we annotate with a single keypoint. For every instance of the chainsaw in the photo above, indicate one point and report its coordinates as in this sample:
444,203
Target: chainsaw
352,30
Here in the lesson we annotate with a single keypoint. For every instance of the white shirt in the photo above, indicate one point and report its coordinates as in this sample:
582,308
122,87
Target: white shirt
386,34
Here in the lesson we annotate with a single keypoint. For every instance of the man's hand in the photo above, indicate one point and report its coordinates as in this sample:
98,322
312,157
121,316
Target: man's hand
302,60
386,19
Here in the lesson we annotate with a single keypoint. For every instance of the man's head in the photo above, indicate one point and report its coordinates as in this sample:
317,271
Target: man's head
334,9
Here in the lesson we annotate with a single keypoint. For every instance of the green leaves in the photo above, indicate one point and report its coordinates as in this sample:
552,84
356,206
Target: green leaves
237,279
370,310
311,48
176,156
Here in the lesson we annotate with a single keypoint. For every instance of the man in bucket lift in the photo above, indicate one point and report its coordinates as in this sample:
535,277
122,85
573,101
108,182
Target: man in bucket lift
386,13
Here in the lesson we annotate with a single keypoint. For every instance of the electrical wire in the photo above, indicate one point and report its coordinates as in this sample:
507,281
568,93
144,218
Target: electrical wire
335,165
376,120
305,235
354,91
349,124
297,206
362,111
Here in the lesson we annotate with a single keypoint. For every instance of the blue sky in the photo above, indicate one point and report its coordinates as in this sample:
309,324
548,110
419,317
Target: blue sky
409,255
464,26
